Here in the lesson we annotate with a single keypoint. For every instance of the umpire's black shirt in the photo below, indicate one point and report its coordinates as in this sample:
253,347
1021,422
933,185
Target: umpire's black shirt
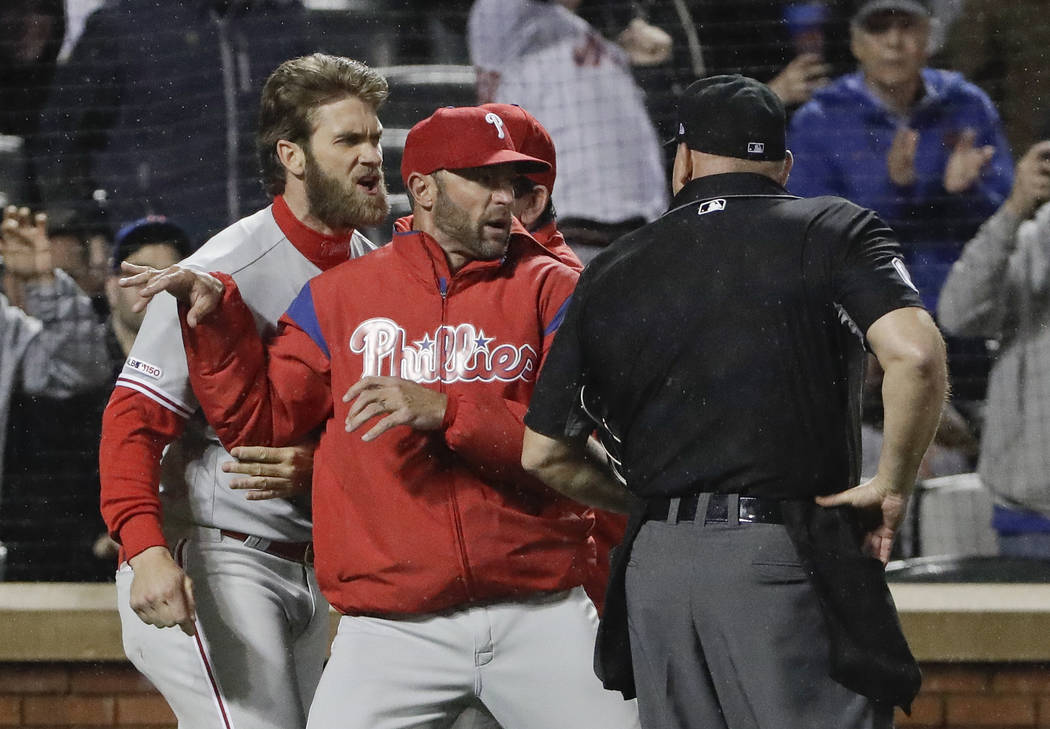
723,342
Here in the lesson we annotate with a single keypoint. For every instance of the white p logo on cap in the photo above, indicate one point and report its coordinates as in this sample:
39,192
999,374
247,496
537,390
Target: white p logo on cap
494,119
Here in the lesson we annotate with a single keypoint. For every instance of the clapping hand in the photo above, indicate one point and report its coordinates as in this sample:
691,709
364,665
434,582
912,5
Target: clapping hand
966,162
901,159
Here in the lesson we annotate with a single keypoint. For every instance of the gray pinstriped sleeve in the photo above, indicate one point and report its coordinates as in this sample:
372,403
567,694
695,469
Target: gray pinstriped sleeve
975,299
68,352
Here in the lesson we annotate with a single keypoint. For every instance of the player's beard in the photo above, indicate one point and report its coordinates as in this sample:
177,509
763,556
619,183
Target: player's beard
455,222
338,203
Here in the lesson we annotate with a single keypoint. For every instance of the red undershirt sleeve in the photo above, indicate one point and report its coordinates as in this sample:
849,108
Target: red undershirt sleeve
135,430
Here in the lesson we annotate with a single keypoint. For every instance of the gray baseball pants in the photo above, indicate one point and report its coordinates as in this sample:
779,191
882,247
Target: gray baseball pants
529,661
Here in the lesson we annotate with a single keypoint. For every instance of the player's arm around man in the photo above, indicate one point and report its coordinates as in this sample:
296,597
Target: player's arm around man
162,593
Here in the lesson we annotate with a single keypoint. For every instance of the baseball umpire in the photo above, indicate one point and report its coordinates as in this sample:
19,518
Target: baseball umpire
236,573
723,346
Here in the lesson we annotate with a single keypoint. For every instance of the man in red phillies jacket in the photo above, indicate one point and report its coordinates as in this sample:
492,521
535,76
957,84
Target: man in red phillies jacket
532,204
534,207
458,576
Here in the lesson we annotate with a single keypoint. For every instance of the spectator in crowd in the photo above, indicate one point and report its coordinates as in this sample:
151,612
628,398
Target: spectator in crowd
550,61
1001,46
953,451
1000,289
533,205
153,241
922,147
80,246
794,47
156,108
28,49
52,456
78,243
53,346
51,462
33,31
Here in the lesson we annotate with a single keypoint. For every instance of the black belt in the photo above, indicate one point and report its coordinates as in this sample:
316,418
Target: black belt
292,551
750,510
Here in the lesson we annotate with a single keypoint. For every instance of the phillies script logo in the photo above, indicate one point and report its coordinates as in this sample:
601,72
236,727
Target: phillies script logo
460,353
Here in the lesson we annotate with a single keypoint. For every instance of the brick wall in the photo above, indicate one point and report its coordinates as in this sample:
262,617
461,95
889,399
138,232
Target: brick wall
981,696
112,694
64,695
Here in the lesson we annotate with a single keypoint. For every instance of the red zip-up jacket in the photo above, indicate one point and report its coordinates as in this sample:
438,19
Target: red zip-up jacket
414,521
551,238
608,528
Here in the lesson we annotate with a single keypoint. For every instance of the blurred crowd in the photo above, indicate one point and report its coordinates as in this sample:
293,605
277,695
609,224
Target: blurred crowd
127,130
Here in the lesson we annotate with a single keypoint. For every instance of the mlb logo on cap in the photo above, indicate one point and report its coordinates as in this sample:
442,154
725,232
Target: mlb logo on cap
755,147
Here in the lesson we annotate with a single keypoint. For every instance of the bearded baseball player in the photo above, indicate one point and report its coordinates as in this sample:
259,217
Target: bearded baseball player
457,575
222,549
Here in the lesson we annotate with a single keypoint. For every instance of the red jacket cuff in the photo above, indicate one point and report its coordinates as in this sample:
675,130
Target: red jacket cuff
139,534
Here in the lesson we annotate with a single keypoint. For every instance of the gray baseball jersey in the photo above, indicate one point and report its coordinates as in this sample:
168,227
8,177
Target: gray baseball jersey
262,622
269,271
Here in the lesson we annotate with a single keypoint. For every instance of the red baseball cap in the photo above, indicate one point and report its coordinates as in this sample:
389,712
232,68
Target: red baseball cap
456,138
529,138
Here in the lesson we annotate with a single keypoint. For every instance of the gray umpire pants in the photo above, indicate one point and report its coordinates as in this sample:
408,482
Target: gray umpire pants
726,632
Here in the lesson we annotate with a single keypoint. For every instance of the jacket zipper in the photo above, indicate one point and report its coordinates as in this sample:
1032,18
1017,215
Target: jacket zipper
457,523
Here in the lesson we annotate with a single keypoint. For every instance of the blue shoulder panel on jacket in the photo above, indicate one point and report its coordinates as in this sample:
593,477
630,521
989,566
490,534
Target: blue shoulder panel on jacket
302,312
558,317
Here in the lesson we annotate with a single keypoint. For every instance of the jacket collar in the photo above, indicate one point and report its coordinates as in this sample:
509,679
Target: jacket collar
428,262
546,235
729,183
551,239
324,251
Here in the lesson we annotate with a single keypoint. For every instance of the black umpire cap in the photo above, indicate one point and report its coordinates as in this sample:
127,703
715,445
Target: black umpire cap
732,116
